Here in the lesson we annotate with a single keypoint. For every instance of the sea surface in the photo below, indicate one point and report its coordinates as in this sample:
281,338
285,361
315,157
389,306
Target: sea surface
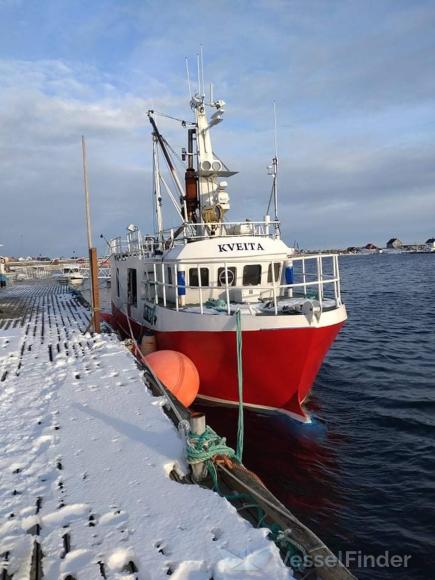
362,474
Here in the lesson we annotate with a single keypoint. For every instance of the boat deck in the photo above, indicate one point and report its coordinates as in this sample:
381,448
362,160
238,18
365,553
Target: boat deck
85,491
287,306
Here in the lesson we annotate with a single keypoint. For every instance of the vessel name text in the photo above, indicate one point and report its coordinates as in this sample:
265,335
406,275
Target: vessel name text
240,246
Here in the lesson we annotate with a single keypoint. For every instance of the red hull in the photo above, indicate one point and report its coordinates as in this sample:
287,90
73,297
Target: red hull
279,365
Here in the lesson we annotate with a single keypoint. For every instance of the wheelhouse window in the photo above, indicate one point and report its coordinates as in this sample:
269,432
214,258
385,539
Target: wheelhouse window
252,275
132,287
230,277
117,282
276,272
193,277
169,271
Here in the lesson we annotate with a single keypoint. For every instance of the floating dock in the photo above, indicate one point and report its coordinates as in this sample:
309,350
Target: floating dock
93,471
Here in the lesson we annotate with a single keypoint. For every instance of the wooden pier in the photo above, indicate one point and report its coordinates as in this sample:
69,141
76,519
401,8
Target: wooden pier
90,465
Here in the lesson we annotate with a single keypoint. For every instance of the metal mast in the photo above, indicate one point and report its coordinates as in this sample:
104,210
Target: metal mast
157,192
171,167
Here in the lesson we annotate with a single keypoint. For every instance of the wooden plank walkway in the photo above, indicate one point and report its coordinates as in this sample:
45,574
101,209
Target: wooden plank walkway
86,452
47,314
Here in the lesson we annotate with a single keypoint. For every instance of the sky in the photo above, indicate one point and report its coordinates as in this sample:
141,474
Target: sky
353,82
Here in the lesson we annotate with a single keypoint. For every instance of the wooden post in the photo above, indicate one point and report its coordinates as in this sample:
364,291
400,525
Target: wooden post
93,260
95,289
197,426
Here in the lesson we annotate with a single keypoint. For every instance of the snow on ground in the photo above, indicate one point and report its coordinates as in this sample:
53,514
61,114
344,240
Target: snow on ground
86,452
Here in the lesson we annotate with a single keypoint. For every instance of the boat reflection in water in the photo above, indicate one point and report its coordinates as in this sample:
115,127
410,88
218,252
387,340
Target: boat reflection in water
285,454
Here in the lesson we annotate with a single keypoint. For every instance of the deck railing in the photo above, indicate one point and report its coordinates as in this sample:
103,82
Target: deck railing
312,277
139,244
203,230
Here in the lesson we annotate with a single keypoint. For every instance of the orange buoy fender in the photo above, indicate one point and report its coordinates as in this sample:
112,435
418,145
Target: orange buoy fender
177,372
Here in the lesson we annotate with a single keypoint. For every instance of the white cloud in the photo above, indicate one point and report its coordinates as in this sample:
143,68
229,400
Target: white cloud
355,97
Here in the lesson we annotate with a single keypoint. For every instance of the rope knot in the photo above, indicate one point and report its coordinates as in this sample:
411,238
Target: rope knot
203,448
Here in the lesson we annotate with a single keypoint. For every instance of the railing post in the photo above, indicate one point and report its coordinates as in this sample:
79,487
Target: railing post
267,224
201,306
337,283
319,280
162,265
156,295
274,289
227,290
176,286
304,277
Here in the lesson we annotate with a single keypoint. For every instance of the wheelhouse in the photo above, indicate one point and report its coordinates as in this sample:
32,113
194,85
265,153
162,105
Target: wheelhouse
206,277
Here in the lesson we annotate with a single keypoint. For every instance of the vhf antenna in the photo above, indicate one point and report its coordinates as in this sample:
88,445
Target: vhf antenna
200,72
273,171
275,168
201,52
275,132
198,67
188,78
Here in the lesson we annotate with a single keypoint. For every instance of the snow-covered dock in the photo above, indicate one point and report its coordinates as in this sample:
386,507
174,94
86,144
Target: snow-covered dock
86,452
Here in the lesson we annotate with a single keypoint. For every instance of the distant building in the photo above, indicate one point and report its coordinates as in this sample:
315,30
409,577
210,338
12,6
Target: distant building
371,246
394,244
430,244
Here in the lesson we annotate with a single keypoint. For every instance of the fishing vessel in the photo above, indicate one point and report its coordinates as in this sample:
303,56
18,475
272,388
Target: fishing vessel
185,284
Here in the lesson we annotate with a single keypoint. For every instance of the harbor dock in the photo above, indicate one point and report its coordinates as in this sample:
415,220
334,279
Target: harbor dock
93,475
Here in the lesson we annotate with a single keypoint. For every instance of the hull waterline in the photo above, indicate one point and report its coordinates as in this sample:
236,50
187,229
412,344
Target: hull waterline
279,365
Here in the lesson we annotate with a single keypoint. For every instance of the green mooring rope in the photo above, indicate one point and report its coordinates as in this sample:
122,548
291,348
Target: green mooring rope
202,449
240,425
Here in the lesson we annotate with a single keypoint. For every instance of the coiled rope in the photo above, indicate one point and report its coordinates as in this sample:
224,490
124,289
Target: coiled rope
205,448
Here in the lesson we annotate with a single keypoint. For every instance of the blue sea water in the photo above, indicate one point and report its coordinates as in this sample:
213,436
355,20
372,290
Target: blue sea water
361,475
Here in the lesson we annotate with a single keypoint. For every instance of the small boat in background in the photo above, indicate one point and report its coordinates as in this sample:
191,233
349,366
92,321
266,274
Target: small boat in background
70,273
